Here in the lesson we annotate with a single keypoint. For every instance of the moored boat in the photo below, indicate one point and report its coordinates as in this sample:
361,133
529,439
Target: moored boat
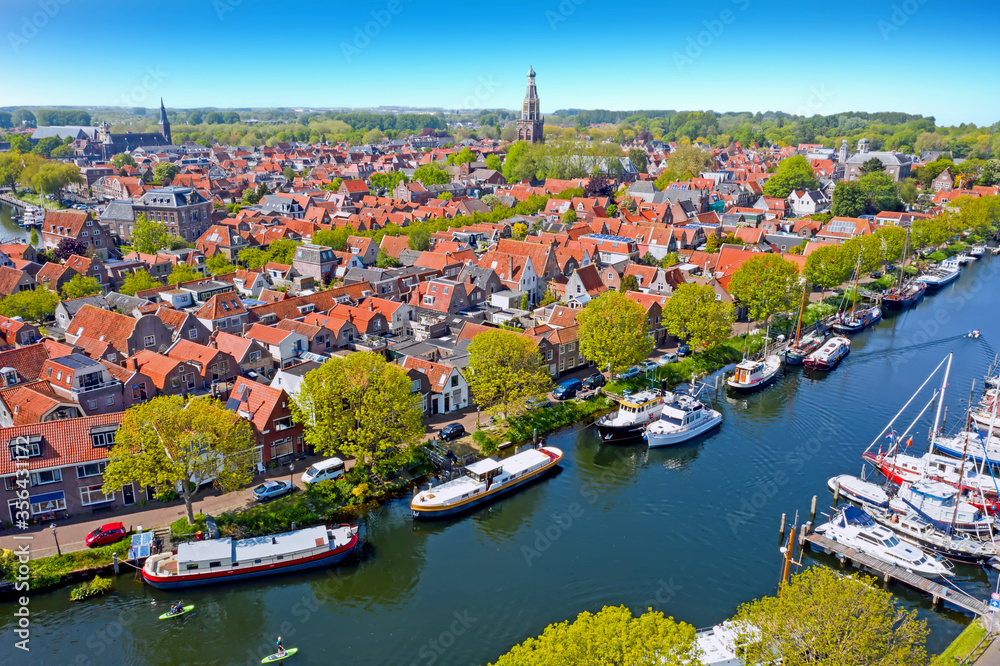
635,411
484,480
856,321
905,296
977,251
681,421
751,375
795,354
978,490
829,355
227,559
945,273
922,533
940,504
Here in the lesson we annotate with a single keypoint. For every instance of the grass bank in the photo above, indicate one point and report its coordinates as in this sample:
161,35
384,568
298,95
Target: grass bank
37,200
962,648
54,570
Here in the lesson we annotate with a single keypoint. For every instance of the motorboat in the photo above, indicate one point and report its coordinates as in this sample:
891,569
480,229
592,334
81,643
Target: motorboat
856,321
964,258
922,533
682,420
635,411
940,504
830,354
945,273
483,481
751,375
904,296
974,445
857,490
977,251
978,490
856,529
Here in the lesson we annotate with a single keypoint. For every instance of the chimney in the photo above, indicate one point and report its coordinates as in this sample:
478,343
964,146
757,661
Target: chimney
510,267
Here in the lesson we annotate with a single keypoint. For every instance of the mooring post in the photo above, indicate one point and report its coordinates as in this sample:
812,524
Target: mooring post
114,562
836,493
812,511
781,531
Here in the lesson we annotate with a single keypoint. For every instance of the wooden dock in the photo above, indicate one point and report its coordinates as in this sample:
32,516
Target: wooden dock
940,594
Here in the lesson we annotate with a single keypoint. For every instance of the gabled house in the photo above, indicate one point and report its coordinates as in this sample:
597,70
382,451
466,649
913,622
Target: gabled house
449,389
284,346
212,364
268,410
127,335
224,312
251,356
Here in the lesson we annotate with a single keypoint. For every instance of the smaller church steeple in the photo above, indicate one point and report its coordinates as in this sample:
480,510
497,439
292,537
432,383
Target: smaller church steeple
164,123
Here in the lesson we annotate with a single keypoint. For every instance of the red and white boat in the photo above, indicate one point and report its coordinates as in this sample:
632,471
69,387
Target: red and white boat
977,489
228,559
830,354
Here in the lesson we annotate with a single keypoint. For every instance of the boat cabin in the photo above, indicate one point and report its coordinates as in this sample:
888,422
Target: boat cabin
749,372
640,406
683,415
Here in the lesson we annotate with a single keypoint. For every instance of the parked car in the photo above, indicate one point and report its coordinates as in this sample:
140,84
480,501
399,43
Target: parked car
668,358
630,373
537,403
683,351
271,489
567,389
324,470
451,431
595,380
876,275
649,366
105,534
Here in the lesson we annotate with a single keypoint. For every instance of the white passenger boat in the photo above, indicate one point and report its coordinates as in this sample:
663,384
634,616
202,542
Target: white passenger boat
484,480
830,354
977,251
856,529
751,375
681,421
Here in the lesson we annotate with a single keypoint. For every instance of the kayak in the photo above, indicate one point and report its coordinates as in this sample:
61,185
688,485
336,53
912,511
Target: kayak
274,657
169,614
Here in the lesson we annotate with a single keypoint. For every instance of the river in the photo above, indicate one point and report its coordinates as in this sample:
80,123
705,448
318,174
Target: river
10,231
691,531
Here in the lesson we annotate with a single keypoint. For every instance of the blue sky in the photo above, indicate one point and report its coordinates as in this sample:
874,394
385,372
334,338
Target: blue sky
916,56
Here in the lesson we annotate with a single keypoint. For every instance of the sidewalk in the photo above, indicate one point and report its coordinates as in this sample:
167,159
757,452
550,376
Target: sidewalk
72,534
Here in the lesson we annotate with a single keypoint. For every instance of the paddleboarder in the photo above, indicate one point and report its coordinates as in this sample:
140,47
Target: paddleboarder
281,648
177,608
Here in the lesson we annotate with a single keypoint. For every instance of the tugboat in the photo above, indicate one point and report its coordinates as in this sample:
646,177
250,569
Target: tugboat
635,412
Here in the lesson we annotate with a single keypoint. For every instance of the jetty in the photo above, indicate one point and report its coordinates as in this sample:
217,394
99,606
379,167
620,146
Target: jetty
12,201
940,594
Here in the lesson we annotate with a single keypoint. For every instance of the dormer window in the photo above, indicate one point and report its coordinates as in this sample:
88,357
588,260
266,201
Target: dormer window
25,447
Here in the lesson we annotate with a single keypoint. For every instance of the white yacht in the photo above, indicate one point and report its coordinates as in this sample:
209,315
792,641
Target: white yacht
682,420
856,529
923,534
977,251
940,504
945,273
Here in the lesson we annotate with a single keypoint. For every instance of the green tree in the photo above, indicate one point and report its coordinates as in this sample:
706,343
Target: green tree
629,283
613,332
373,136
670,259
827,266
712,243
826,618
254,257
446,196
386,181
283,250
794,173
881,191
519,231
136,282
766,284
165,171
611,636
386,261
419,237
80,286
19,143
694,314
430,174
505,369
250,196
62,151
689,161
45,146
149,237
873,165
183,273
171,443
569,217
288,173
360,405
639,159
849,199
494,162
36,305
333,238
219,264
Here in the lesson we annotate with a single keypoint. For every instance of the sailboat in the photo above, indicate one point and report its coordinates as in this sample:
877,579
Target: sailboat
907,292
796,352
857,320
754,374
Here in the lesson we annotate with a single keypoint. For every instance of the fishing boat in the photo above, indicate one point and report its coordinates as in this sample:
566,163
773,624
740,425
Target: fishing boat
922,533
977,251
227,559
829,355
945,273
635,411
751,375
682,420
855,528
484,480
904,296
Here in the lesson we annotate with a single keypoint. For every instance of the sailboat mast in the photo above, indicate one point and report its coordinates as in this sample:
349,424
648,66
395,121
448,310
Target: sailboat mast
802,308
857,275
961,469
937,415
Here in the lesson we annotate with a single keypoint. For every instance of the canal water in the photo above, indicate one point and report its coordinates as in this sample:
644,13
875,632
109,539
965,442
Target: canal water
691,531
10,231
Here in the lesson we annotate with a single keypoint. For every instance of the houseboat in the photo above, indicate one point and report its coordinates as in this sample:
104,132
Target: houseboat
830,354
483,481
227,559
753,375
635,412
945,273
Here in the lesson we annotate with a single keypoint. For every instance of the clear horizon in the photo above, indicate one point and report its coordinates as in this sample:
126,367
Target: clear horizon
722,55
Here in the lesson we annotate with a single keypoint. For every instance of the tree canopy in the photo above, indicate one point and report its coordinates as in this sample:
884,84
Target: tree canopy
80,286
33,305
766,284
613,332
694,315
793,173
430,174
138,281
149,237
505,369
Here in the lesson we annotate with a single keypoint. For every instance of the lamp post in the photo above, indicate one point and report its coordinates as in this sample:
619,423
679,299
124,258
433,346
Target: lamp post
53,526
291,475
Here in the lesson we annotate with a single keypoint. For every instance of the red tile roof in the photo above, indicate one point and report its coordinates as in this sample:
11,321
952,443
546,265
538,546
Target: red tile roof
65,442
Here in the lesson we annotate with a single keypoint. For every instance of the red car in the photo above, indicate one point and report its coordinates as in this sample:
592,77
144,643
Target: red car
106,534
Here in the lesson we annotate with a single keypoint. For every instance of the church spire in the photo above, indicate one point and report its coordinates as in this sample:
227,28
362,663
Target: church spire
529,126
164,123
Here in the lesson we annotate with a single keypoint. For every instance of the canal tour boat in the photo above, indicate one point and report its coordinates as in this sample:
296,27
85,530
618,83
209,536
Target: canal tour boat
830,354
752,375
945,273
227,559
856,529
923,534
635,412
682,420
484,480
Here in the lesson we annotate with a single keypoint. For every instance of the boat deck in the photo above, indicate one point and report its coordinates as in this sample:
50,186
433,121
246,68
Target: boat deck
939,593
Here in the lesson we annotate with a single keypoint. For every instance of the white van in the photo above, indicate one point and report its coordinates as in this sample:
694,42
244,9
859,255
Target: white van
324,470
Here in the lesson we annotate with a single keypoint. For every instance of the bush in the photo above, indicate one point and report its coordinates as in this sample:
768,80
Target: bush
552,418
938,256
487,445
49,571
91,588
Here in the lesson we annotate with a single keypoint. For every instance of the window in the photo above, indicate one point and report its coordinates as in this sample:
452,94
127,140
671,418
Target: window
102,439
90,469
175,382
94,495
281,447
192,333
548,356
48,503
254,356
149,341
110,400
47,476
454,380
224,366
22,447
284,423
92,404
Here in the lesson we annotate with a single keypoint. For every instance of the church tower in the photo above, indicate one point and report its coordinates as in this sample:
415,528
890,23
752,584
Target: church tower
529,126
164,124
843,152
